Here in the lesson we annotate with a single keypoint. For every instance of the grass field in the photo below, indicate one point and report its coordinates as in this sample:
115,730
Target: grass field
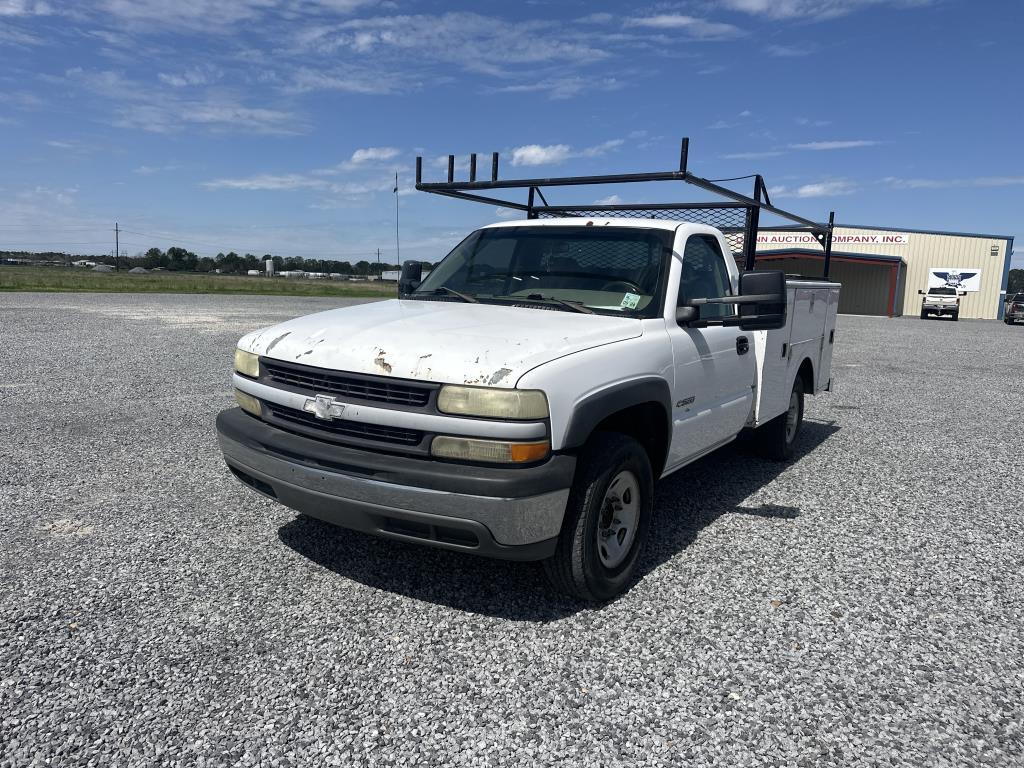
84,280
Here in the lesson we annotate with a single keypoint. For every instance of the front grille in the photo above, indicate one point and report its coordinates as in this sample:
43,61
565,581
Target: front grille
378,389
343,429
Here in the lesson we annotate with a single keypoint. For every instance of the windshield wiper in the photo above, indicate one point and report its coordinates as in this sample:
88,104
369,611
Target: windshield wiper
537,298
466,297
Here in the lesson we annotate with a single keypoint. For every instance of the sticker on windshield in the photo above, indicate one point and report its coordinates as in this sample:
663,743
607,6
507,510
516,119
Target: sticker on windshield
630,301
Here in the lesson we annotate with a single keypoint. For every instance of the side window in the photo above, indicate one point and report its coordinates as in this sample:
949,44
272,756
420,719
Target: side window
705,276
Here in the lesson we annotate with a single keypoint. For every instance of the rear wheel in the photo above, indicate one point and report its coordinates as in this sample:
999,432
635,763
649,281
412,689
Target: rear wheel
775,440
606,520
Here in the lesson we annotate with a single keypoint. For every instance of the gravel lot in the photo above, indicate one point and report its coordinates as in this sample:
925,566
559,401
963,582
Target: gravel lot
861,606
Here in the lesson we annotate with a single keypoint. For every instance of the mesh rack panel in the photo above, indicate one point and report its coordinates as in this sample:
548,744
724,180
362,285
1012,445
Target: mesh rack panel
731,221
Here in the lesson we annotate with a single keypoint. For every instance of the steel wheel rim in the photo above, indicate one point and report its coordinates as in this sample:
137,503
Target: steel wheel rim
620,514
792,416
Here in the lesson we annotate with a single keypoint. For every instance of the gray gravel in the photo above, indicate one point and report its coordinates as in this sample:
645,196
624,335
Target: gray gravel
861,606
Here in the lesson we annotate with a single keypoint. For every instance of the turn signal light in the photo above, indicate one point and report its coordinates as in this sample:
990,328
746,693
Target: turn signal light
490,451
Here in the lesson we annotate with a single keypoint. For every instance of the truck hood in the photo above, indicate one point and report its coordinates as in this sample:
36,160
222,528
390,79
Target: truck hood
447,342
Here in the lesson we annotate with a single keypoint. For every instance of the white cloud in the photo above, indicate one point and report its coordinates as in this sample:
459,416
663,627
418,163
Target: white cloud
563,87
149,170
810,9
601,149
374,154
345,79
695,27
266,181
165,111
752,155
979,181
610,200
535,154
833,188
819,146
478,43
191,77
25,8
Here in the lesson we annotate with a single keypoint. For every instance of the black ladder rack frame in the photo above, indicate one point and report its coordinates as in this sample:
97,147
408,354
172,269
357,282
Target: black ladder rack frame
749,207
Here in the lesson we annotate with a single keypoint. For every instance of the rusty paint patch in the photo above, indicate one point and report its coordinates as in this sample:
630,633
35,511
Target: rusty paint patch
381,362
498,375
278,339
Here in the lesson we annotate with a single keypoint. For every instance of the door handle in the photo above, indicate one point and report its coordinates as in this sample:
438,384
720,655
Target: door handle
742,345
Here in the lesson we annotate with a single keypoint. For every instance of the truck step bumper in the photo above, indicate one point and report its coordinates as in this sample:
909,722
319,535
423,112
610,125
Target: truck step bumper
509,528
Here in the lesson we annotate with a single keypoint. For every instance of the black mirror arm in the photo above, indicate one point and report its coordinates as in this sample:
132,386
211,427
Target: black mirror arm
754,298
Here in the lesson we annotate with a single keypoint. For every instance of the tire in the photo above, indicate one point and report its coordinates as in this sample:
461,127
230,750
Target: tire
955,316
775,440
924,315
612,469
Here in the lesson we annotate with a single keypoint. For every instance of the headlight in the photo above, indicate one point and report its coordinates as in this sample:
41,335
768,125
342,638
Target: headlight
248,403
247,364
493,403
491,451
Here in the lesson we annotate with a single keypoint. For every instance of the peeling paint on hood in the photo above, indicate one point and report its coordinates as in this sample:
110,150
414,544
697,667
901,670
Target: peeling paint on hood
446,342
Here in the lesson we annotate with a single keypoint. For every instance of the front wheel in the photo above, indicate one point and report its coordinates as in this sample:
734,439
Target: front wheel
924,315
606,520
775,440
955,316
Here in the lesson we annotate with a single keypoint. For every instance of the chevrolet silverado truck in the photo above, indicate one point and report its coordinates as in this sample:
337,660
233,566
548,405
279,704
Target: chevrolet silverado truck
522,400
941,300
1014,309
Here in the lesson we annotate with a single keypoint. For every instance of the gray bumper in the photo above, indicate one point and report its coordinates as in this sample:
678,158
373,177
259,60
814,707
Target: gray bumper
508,527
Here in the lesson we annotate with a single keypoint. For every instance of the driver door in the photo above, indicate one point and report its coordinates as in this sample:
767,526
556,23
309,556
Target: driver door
714,366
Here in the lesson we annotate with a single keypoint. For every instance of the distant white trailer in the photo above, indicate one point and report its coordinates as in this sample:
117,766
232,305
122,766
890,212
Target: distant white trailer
253,273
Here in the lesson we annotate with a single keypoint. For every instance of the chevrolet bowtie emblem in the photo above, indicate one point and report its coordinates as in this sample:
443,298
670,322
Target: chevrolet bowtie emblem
324,407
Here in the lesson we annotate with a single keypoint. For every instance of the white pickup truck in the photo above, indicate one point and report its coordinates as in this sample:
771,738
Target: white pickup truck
523,399
941,300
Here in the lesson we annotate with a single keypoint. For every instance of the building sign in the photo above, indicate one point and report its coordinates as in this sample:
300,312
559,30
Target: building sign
806,238
955,277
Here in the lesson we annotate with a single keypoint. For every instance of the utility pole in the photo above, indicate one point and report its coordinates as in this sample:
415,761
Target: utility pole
379,273
117,245
398,252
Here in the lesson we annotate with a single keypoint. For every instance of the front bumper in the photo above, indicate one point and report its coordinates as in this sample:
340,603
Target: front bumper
509,513
940,309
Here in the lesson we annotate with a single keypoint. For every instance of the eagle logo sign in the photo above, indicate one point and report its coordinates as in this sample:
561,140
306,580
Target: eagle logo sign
955,278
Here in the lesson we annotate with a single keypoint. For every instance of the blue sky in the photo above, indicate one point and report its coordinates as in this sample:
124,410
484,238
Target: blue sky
278,125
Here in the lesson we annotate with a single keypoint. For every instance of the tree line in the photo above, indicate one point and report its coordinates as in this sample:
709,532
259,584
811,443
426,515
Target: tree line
176,259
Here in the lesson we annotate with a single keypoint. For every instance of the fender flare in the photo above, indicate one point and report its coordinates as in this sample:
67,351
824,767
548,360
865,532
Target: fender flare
595,408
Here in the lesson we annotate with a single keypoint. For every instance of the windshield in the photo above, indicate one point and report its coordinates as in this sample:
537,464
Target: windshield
606,270
942,291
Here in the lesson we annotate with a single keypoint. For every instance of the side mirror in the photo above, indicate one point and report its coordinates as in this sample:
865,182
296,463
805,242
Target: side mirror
961,293
762,300
686,315
410,278
920,292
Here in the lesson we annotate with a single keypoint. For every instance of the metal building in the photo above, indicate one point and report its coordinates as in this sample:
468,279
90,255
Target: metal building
882,268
